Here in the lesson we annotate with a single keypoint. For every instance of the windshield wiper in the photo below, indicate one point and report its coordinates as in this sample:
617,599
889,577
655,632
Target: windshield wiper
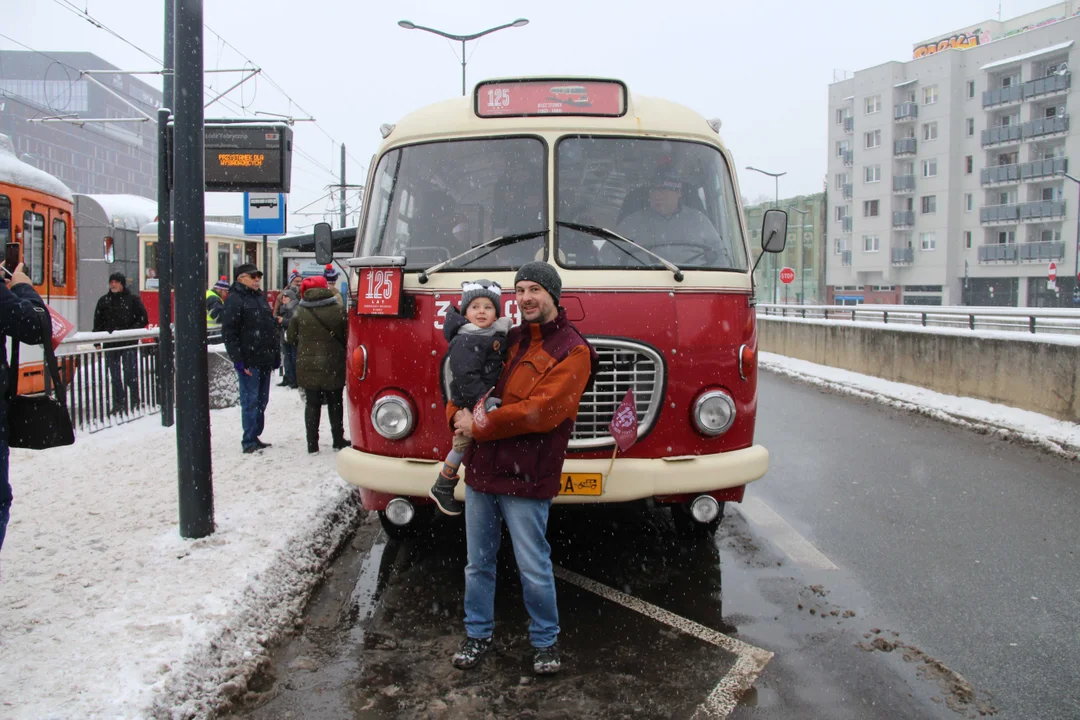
612,235
502,240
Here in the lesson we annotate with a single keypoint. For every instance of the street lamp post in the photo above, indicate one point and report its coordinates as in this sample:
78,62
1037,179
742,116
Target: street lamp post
776,204
520,22
802,253
1076,257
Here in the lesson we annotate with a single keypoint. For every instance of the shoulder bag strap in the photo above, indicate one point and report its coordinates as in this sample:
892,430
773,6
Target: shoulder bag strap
13,370
325,327
51,365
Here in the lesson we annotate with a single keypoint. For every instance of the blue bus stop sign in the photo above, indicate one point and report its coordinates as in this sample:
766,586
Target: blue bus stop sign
264,213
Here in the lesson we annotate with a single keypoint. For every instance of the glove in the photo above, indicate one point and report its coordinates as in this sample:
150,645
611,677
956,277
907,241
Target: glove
239,366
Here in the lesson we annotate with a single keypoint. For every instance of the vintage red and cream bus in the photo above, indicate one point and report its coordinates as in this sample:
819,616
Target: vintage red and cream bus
634,200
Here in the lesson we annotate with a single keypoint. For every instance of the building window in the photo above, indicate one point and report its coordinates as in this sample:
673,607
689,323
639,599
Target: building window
969,164
841,180
1011,80
873,104
1006,237
929,204
971,88
840,116
927,241
872,173
929,168
871,243
970,127
967,239
870,208
839,246
929,95
842,147
929,131
969,202
872,139
841,212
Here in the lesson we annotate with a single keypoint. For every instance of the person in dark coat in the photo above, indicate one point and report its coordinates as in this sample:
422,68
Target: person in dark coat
119,309
284,309
20,319
251,340
319,330
477,351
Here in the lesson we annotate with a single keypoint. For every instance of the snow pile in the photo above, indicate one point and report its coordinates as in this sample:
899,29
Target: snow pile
1057,436
105,611
15,171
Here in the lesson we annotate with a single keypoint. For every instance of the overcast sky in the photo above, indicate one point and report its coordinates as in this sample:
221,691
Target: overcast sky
763,67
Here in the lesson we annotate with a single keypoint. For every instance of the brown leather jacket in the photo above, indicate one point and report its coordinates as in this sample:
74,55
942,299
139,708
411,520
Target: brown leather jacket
520,448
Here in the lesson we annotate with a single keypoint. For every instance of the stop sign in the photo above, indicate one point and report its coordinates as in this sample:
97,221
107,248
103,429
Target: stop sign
1051,275
787,276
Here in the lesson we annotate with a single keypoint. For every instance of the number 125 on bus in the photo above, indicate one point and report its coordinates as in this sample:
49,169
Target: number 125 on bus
379,291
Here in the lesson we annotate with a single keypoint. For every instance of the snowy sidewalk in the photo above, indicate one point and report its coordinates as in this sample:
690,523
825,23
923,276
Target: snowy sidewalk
1057,436
106,612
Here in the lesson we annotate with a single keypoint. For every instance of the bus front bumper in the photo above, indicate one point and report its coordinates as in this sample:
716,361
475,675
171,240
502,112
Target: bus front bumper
630,478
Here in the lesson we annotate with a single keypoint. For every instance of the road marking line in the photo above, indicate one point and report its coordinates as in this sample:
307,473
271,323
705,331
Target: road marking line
749,659
787,538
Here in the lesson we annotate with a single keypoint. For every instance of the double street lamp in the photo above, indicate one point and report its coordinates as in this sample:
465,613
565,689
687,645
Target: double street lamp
520,22
776,204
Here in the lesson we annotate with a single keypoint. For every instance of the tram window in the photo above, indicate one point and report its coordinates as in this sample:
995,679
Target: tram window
224,267
237,254
59,254
34,235
150,278
5,221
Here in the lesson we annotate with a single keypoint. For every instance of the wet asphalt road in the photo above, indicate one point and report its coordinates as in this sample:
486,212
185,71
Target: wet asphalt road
940,537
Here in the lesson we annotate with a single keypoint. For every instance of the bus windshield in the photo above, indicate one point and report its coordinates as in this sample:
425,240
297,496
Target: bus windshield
433,201
673,197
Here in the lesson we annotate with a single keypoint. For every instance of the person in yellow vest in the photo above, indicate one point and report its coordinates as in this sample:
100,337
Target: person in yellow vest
215,301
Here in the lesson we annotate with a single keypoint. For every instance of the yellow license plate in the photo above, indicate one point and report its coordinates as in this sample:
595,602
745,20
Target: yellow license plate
582,484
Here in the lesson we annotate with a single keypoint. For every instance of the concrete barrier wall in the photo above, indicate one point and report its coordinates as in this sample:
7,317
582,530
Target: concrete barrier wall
1036,375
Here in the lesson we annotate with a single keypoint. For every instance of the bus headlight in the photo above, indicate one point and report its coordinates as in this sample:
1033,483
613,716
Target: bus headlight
714,412
392,417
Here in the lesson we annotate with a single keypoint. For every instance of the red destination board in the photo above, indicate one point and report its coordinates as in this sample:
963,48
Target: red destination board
379,291
527,98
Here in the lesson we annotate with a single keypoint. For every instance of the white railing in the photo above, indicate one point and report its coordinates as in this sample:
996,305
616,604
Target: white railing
1059,321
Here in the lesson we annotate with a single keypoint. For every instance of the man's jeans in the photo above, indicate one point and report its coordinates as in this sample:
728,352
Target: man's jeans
527,521
254,396
129,359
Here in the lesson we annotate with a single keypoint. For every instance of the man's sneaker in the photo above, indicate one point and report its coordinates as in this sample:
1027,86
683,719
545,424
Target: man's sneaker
261,445
250,449
546,661
471,652
442,492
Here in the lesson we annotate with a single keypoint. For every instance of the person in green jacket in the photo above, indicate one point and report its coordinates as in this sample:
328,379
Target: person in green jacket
319,330
215,301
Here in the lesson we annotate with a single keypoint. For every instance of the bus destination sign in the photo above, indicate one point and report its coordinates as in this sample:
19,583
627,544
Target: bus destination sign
529,98
246,157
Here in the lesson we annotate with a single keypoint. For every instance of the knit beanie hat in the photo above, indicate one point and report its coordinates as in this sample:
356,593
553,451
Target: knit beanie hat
317,281
222,284
330,273
292,276
119,277
473,289
544,275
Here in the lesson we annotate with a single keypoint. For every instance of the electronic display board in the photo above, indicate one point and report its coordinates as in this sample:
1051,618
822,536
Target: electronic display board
244,157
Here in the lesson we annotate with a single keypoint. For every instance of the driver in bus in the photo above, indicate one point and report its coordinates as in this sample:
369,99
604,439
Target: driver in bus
667,221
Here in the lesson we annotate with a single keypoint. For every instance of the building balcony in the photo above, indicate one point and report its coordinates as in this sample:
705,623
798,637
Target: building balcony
999,214
903,256
1042,209
849,125
997,253
1051,167
1003,96
1042,251
846,224
1045,126
849,191
1000,175
905,112
903,183
845,258
848,156
904,146
1000,135
1047,86
903,219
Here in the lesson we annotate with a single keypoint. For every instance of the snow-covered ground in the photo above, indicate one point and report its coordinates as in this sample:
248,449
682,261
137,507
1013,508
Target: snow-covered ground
106,612
1057,436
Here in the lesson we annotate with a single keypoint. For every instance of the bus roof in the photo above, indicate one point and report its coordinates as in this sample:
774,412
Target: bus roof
644,115
15,172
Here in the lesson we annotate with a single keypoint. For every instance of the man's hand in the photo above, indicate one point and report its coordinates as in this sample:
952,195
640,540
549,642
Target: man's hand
18,277
463,423
240,368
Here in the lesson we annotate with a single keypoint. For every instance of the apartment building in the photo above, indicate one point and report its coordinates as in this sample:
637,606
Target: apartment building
804,252
949,171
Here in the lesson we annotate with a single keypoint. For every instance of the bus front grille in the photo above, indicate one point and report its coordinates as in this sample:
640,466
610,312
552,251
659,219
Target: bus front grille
624,365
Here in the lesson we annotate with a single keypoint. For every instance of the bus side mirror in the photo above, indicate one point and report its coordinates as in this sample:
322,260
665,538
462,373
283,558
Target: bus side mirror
324,244
774,231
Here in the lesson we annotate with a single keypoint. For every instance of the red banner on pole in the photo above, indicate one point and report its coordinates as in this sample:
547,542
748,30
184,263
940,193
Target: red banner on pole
624,425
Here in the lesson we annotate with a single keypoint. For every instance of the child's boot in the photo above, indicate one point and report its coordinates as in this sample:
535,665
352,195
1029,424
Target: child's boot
442,492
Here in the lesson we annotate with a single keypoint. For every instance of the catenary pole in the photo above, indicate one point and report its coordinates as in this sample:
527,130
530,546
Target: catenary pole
166,365
193,399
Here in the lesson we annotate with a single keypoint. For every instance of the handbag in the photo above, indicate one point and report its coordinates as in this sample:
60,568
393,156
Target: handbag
41,420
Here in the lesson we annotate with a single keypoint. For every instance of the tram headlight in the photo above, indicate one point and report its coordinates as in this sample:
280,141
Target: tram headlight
392,417
714,412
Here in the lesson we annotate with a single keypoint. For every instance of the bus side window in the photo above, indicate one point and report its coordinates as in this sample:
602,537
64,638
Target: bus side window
5,221
59,253
34,245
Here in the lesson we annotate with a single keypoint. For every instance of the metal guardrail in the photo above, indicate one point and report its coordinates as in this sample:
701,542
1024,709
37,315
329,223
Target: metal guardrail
1058,321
